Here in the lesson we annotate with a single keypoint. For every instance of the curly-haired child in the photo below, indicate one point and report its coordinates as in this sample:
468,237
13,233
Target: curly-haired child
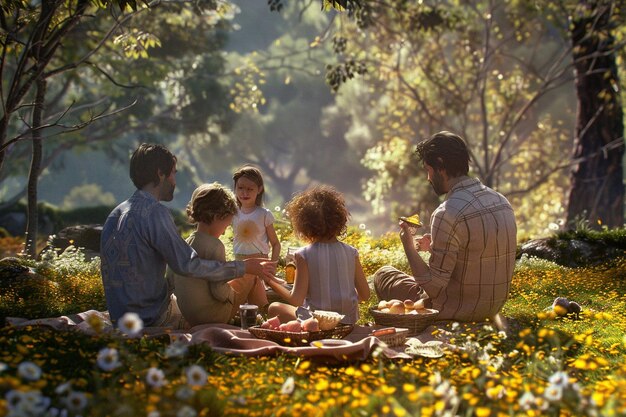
211,208
329,275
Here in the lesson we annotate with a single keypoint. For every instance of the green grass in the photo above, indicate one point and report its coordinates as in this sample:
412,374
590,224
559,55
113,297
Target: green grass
489,375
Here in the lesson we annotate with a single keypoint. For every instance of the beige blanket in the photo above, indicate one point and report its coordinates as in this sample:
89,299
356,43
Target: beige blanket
229,339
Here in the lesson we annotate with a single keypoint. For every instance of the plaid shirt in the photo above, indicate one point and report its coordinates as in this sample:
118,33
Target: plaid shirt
472,252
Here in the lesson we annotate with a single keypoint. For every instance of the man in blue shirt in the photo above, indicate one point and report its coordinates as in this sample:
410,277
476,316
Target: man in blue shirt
139,239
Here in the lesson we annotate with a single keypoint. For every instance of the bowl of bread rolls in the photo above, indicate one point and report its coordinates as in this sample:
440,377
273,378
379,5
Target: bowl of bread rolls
409,314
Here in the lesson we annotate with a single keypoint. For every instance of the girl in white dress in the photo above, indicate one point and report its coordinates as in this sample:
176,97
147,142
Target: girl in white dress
329,275
254,235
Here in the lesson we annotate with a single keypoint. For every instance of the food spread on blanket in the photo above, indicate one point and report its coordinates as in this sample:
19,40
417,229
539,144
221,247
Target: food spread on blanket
328,320
320,320
395,306
383,332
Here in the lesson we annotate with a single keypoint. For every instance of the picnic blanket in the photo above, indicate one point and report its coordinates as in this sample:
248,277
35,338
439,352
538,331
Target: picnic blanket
232,340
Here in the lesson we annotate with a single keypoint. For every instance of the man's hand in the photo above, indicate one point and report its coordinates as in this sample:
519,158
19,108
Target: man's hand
405,235
417,264
423,242
261,267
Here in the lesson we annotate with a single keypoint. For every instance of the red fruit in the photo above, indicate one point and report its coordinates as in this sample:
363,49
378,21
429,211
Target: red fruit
311,325
291,326
273,323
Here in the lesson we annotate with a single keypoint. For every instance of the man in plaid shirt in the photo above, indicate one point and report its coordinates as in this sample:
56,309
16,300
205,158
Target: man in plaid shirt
472,241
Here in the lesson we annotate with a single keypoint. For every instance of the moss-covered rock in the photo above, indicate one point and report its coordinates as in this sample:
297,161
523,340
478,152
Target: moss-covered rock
573,252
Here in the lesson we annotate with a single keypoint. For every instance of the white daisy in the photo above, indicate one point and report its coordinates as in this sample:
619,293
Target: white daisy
108,359
76,401
288,386
186,411
155,378
526,401
196,376
34,403
130,324
553,392
13,399
559,378
29,371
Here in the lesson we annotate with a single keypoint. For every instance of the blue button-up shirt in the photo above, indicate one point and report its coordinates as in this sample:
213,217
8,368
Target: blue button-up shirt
139,239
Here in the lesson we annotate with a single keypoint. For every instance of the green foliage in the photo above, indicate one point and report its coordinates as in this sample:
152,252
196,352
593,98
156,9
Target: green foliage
342,72
88,195
612,237
437,67
161,73
340,5
280,100
84,215
73,284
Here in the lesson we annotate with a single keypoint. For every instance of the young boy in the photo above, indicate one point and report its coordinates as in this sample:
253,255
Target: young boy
212,208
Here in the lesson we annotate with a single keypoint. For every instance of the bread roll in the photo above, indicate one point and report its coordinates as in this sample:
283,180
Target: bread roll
397,308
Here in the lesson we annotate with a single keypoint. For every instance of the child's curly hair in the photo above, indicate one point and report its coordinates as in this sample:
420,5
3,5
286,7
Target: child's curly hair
209,202
318,213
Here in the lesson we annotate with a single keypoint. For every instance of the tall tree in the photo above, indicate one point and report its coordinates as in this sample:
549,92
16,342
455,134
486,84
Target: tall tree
596,192
58,39
482,69
34,46
597,187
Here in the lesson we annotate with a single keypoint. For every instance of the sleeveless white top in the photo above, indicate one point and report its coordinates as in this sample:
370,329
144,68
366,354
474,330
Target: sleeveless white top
331,279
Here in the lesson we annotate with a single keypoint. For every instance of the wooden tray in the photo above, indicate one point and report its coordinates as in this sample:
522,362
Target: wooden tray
300,338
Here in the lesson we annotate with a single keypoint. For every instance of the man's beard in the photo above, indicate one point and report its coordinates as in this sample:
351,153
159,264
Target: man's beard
437,183
167,191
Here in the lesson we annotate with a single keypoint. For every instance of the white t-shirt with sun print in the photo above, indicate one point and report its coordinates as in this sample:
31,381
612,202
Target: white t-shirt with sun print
249,232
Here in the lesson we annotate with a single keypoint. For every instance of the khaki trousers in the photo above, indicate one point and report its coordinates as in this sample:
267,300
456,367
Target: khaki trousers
390,283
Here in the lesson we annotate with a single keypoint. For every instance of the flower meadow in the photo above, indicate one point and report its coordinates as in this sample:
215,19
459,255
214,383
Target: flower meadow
545,364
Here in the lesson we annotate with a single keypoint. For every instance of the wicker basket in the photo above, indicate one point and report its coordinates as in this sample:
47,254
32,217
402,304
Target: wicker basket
300,338
416,323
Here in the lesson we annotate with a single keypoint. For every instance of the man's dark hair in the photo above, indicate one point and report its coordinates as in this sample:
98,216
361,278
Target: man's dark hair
445,150
146,163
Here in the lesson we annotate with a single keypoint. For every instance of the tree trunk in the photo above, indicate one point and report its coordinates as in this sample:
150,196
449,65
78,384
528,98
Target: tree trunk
597,189
38,50
35,168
